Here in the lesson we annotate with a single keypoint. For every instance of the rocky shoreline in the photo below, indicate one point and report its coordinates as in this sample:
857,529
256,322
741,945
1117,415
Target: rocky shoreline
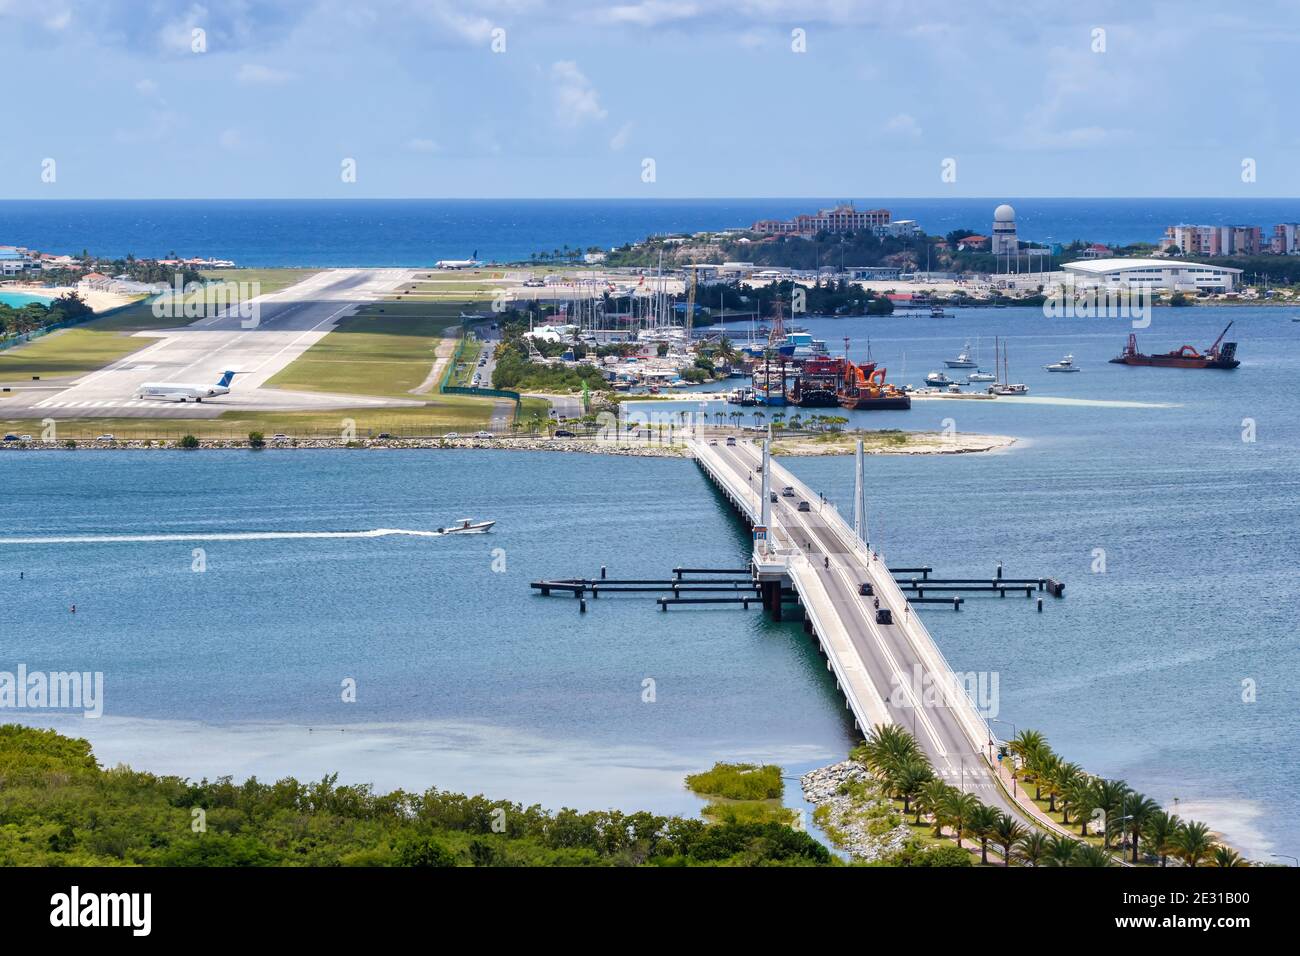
861,827
919,444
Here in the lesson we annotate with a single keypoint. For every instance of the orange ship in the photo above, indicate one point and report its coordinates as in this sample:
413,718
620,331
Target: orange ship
864,387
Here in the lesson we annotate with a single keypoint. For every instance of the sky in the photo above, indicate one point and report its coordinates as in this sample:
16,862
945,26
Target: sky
658,98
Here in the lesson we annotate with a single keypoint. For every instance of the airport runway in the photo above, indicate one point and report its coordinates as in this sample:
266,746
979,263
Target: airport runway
286,324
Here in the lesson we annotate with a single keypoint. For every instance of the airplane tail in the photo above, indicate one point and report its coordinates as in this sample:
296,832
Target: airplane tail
225,380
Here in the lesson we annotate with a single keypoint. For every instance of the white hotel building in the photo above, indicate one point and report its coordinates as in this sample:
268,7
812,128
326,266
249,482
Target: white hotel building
1166,274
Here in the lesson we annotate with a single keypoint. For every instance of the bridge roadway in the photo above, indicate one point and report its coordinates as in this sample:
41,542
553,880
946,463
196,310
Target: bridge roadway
888,673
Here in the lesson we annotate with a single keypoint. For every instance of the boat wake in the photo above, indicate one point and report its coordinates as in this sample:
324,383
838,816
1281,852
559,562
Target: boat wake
218,536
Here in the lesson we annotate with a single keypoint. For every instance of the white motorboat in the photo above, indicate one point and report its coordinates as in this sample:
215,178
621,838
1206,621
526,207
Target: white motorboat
1065,365
938,380
963,359
982,377
468,526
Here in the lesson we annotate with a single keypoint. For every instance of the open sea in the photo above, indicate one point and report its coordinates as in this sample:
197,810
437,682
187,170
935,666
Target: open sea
1173,663
377,232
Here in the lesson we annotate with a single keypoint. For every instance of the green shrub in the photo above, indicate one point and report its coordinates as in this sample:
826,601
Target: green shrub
256,440
739,781
189,441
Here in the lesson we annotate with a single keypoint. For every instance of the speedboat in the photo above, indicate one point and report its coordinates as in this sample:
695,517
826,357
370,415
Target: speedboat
938,380
982,377
468,526
963,359
1065,365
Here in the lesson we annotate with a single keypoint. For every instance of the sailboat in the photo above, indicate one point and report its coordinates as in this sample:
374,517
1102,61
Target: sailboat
1005,386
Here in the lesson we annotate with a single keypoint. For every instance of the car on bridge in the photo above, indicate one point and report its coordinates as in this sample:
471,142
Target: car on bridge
804,506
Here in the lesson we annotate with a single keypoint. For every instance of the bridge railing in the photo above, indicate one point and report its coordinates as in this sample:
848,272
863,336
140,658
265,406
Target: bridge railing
866,713
922,642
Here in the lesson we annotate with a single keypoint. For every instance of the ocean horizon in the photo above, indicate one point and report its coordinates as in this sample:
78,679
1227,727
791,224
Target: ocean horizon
270,233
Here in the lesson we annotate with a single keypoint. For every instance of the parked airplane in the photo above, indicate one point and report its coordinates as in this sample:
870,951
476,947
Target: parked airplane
180,392
457,263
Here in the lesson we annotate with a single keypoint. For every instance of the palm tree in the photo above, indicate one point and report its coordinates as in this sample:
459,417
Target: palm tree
983,819
1007,832
1193,843
758,418
1108,796
1030,747
1062,777
1078,800
1086,854
886,744
1060,850
1137,810
1224,856
910,780
1159,832
1032,847
933,799
959,809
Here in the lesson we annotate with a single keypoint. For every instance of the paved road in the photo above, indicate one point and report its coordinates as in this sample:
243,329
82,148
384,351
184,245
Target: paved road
289,322
894,667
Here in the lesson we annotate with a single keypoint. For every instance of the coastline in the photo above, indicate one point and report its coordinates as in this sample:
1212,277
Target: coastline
929,443
98,301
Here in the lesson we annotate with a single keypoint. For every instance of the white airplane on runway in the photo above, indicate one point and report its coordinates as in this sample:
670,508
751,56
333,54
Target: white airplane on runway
180,392
457,263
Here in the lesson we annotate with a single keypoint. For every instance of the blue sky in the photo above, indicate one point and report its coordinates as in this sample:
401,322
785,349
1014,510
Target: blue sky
1018,93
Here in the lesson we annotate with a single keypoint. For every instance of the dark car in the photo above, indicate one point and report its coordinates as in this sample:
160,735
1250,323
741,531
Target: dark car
865,589
383,435
564,433
773,496
804,506
11,437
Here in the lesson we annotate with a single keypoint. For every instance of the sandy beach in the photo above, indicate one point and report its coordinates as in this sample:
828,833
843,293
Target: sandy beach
98,301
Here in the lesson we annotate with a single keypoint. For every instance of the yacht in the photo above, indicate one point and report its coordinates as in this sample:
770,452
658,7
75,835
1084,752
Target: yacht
963,359
982,377
938,380
1065,365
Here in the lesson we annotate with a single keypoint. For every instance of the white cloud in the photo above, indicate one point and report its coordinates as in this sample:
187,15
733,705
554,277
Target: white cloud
255,74
651,12
903,125
619,139
576,100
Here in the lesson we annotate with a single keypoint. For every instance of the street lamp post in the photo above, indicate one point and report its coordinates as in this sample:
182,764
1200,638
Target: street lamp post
996,720
1286,856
